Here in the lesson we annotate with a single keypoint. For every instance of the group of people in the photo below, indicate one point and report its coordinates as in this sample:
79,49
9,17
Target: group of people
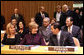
60,31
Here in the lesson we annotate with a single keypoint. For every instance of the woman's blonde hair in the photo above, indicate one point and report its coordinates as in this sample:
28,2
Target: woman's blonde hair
32,25
7,29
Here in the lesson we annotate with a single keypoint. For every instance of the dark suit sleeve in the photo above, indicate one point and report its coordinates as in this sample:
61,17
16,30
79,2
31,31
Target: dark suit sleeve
21,17
54,15
42,41
46,14
79,36
13,16
36,17
23,41
51,42
70,40
4,39
2,20
18,39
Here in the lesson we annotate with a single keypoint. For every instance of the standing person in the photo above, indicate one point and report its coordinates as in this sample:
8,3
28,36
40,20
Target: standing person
17,15
67,12
81,19
77,13
40,16
59,37
58,15
10,37
2,22
33,38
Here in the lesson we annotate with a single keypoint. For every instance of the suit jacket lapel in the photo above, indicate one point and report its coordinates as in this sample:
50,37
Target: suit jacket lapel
61,39
55,40
73,30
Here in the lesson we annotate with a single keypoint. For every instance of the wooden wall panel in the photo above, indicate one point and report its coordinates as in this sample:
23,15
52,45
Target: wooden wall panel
29,8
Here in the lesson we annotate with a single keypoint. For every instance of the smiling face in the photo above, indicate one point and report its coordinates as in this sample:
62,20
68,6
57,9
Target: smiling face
14,22
45,23
34,30
21,25
68,22
12,29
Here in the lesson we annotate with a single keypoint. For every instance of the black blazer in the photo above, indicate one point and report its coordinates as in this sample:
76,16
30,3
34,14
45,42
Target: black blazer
39,19
65,40
73,15
62,18
11,41
19,18
2,22
75,31
25,31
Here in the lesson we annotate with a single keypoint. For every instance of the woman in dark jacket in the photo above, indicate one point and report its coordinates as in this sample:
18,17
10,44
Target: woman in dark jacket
33,38
22,31
10,37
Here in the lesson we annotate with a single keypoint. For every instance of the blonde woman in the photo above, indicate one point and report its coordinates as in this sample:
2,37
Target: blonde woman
10,37
33,38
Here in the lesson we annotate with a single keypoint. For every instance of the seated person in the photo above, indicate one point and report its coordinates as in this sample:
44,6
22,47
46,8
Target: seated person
33,38
10,37
74,30
59,37
14,23
45,30
22,30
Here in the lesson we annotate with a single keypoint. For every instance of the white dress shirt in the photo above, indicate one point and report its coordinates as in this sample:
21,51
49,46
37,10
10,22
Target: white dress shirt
43,15
16,15
70,31
58,16
58,37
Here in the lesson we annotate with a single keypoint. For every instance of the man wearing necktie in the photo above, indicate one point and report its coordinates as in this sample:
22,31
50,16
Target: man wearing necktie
74,30
17,15
59,37
40,16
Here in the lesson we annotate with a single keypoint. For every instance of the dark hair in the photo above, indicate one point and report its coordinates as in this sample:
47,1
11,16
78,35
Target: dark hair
56,25
22,23
13,18
58,6
71,19
77,9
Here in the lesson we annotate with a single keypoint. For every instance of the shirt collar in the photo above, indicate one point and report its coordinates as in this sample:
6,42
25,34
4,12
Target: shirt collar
59,13
71,26
59,33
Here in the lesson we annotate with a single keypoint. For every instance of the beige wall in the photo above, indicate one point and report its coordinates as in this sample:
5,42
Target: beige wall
29,8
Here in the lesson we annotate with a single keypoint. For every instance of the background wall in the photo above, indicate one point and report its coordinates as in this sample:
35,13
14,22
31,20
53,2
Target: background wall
29,8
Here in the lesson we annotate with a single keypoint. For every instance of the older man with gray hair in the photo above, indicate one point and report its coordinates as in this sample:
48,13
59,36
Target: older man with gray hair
45,30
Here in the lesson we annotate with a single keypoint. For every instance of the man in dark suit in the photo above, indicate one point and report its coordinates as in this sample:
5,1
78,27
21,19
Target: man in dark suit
59,16
40,16
60,38
67,12
2,22
74,30
17,15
